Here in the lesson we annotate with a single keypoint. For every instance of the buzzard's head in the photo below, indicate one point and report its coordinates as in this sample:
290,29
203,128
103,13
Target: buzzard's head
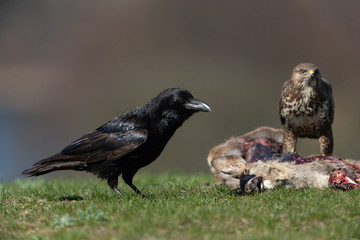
305,74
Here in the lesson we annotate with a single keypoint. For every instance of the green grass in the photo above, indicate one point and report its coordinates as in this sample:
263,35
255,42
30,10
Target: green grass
177,206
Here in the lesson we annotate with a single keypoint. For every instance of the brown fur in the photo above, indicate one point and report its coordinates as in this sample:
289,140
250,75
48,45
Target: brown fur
228,165
289,174
232,149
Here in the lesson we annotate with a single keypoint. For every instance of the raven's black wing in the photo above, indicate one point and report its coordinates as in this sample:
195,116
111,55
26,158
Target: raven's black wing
99,146
111,141
118,137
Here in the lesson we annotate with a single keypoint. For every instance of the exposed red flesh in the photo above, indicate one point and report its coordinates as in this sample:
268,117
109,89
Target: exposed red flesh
346,177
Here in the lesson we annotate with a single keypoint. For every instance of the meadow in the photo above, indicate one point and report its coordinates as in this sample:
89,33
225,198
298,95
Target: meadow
177,206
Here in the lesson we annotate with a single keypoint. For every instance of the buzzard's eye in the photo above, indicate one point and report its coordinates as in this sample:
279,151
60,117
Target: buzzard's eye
302,71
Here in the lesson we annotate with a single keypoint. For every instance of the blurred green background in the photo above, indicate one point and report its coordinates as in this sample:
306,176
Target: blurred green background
67,67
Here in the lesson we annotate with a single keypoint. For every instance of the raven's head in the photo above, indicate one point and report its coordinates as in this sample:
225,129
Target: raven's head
305,74
174,105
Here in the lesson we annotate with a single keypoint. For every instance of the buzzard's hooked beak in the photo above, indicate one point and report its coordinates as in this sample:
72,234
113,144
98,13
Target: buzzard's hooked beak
314,74
197,105
311,74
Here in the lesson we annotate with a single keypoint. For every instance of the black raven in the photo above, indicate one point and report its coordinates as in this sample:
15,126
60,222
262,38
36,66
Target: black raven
126,143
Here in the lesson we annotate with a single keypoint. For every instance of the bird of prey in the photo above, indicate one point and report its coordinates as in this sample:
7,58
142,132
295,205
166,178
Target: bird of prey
306,108
126,143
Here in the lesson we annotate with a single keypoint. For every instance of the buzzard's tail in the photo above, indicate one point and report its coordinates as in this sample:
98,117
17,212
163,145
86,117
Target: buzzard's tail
54,163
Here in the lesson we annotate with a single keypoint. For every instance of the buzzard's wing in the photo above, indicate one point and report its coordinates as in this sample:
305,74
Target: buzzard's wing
330,100
282,104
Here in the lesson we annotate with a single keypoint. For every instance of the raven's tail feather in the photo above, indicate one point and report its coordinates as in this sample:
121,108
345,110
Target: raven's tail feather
54,163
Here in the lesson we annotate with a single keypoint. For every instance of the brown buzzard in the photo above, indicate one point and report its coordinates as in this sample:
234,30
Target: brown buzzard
306,108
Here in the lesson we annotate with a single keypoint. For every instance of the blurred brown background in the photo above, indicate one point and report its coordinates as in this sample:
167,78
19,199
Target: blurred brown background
67,67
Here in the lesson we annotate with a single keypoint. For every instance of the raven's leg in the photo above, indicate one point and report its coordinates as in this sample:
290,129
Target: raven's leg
326,143
128,177
113,182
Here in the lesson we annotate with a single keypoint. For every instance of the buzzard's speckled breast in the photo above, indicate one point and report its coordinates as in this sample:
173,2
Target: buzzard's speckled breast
305,114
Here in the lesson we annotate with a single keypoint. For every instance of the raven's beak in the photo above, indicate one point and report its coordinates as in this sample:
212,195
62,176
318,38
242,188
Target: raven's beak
197,105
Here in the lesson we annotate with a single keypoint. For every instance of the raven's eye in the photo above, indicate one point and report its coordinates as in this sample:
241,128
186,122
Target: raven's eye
317,72
302,71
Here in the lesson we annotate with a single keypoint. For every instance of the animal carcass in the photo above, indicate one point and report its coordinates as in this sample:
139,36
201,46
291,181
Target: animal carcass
253,162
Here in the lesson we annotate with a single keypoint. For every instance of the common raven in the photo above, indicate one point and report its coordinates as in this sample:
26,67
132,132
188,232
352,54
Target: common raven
126,143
